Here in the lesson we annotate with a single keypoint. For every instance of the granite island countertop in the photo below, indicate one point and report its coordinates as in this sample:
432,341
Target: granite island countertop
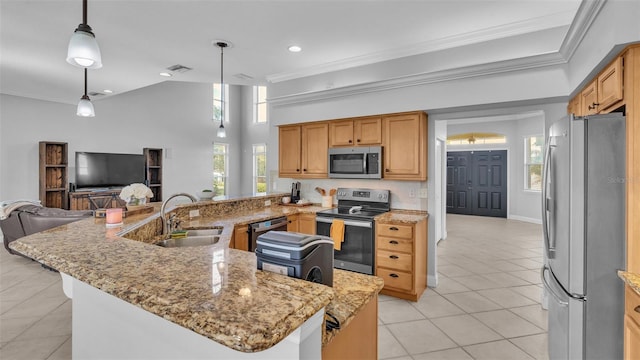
249,311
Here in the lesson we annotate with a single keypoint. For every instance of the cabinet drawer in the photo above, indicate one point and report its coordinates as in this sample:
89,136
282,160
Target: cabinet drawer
402,231
393,244
396,279
632,304
395,260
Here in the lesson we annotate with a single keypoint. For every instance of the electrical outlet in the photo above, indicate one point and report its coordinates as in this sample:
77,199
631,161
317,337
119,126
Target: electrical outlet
194,213
267,203
412,193
423,193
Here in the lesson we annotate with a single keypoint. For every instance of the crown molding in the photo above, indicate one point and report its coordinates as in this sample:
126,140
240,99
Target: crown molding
585,16
459,40
492,68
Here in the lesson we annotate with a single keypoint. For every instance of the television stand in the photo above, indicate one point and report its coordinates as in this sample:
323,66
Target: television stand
97,198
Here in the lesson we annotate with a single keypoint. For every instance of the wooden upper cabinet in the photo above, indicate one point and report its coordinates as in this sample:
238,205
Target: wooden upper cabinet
610,85
589,98
354,132
289,159
368,131
574,106
341,133
605,91
405,146
315,150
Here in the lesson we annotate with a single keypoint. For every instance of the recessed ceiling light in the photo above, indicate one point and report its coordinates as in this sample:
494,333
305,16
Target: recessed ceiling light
295,48
107,91
166,74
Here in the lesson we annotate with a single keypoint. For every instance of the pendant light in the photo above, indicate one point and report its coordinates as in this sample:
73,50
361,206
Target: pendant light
85,107
83,48
221,131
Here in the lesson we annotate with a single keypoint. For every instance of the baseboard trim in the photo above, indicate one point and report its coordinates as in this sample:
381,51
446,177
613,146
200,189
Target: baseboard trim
432,281
524,218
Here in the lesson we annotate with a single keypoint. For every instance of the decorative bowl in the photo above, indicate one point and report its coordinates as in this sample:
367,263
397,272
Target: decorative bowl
205,195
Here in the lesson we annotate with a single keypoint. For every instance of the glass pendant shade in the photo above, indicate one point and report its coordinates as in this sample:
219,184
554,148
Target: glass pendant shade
221,132
83,49
85,107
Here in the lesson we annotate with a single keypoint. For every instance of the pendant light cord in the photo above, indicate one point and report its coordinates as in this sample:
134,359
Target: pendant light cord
85,81
84,12
222,105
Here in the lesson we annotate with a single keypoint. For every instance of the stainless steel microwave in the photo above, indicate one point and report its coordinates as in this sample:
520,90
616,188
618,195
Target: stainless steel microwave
355,162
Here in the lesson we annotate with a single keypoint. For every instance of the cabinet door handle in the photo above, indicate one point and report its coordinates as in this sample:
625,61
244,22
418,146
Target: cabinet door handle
297,170
393,228
637,309
350,141
393,256
393,242
593,106
304,170
386,170
394,275
358,140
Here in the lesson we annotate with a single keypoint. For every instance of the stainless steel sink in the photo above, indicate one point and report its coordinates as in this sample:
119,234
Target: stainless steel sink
203,232
201,240
196,237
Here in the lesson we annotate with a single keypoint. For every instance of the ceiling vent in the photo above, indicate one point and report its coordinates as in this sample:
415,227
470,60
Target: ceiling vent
179,68
243,76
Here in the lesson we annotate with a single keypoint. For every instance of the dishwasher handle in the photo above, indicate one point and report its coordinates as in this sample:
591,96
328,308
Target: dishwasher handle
279,224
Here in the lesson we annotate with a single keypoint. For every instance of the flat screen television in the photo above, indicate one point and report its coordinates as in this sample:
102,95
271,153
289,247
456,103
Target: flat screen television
108,170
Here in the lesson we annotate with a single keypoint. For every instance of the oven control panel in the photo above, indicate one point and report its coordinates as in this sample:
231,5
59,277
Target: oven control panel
375,195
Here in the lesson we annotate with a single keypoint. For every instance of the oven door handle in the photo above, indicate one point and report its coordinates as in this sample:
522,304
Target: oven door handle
364,224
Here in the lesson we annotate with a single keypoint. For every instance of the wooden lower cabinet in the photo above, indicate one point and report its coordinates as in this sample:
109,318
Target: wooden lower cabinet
401,258
240,238
93,200
359,340
631,324
307,223
302,223
292,223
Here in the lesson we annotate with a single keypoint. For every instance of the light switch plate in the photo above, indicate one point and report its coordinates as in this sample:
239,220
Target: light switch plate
267,203
423,193
194,213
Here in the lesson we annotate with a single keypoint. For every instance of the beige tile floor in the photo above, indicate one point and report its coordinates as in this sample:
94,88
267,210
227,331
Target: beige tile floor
487,305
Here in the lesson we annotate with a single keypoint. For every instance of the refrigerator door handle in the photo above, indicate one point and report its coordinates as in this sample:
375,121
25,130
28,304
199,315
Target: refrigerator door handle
546,284
547,204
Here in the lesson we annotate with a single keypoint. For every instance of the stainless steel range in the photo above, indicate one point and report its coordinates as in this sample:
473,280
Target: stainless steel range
357,208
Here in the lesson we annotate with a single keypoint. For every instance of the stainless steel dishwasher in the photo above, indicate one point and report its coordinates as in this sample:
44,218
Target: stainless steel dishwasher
259,228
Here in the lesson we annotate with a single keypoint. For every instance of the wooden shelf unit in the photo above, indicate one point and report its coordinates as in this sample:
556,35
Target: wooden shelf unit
54,174
153,172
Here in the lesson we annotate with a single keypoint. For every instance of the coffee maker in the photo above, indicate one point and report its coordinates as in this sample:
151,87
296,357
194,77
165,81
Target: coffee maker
295,191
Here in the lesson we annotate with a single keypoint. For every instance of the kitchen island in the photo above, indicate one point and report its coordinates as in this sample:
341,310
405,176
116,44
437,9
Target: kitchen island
212,296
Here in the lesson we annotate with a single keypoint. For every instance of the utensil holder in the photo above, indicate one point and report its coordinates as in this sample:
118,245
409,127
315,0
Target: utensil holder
327,201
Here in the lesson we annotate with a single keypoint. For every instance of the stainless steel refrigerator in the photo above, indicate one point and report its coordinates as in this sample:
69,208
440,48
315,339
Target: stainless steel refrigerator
583,220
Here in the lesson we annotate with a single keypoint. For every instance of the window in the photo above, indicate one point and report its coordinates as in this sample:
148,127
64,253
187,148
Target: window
259,168
260,104
220,168
533,162
218,103
476,138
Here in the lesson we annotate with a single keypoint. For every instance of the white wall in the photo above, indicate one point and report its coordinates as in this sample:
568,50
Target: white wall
172,115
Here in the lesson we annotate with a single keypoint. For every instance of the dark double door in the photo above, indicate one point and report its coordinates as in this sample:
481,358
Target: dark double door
477,183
